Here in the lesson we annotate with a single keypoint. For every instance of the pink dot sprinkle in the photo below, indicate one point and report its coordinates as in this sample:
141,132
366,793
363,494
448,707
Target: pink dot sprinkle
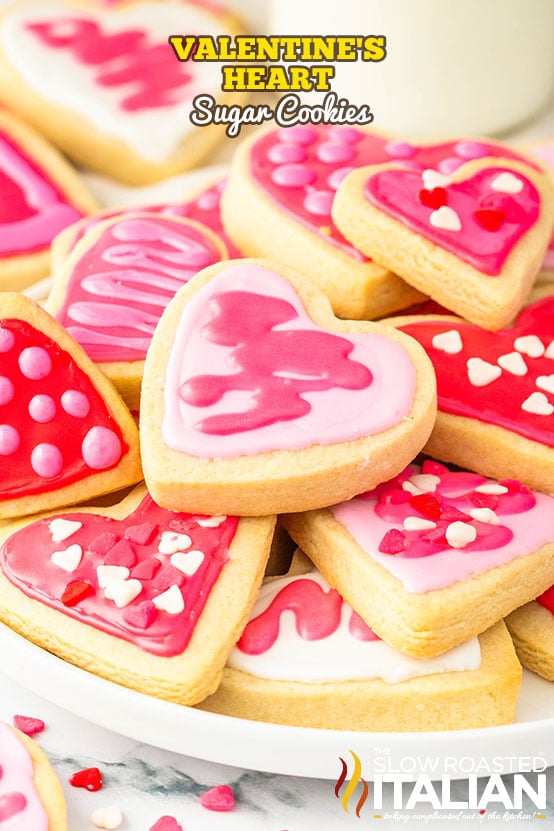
348,135
334,153
7,340
166,823
220,798
6,390
42,408
28,725
293,175
287,153
35,363
337,176
298,135
101,448
449,165
400,149
9,440
75,403
472,149
319,202
46,460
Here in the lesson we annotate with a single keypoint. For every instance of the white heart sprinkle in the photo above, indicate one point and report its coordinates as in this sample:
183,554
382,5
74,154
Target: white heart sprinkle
171,542
545,382
513,362
426,482
434,179
449,342
416,523
538,404
210,521
481,373
188,562
109,574
411,488
170,601
69,559
507,183
530,345
492,488
485,515
109,818
62,529
123,592
459,534
445,218
549,350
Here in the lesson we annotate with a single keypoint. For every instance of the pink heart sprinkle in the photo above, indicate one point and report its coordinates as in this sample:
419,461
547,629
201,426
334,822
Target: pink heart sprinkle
166,823
140,616
28,725
141,534
220,798
122,554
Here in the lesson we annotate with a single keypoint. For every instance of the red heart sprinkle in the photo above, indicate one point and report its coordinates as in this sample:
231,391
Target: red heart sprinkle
220,798
490,218
435,198
166,823
89,778
76,591
28,725
426,504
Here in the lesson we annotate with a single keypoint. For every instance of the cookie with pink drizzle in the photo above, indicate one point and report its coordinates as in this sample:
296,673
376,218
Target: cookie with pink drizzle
149,598
65,434
112,290
31,797
41,195
286,179
495,392
473,240
433,557
306,658
103,83
256,399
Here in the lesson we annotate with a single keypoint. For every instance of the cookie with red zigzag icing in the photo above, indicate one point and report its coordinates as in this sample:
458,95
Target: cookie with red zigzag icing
31,797
149,598
41,195
256,399
65,434
306,658
105,86
473,240
433,557
495,392
113,288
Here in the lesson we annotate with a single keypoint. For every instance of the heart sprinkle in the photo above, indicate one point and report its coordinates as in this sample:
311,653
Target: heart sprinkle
188,562
172,542
446,219
545,382
89,778
435,198
166,823
220,798
507,183
513,362
28,725
62,529
538,404
109,574
449,342
170,601
76,591
481,373
109,818
416,523
69,559
123,592
460,534
490,218
530,345
433,179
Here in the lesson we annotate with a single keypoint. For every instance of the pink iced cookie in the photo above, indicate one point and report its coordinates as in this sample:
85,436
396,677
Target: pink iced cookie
103,83
438,556
473,240
112,290
307,399
31,797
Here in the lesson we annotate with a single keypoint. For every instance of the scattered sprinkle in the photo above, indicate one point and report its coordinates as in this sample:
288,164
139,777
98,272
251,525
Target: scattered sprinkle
220,798
108,818
89,778
28,725
166,823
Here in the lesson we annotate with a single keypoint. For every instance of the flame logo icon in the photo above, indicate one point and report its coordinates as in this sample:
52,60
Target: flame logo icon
355,780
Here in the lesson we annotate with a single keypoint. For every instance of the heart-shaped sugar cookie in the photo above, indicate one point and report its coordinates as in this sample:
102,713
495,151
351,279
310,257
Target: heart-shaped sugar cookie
475,245
150,622
255,396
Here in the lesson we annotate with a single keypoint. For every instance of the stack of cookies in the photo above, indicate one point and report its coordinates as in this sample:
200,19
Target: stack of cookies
341,345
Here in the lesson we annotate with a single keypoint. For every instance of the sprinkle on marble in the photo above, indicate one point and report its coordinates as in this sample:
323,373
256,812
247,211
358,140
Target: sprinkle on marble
62,529
171,542
513,362
28,725
108,818
538,404
220,798
529,345
170,601
481,373
69,558
446,219
449,342
459,534
88,778
166,823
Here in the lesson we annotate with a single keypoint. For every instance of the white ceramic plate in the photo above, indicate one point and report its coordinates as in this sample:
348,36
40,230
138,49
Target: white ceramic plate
296,751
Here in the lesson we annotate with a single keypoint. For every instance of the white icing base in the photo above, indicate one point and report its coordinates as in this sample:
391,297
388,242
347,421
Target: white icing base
340,657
